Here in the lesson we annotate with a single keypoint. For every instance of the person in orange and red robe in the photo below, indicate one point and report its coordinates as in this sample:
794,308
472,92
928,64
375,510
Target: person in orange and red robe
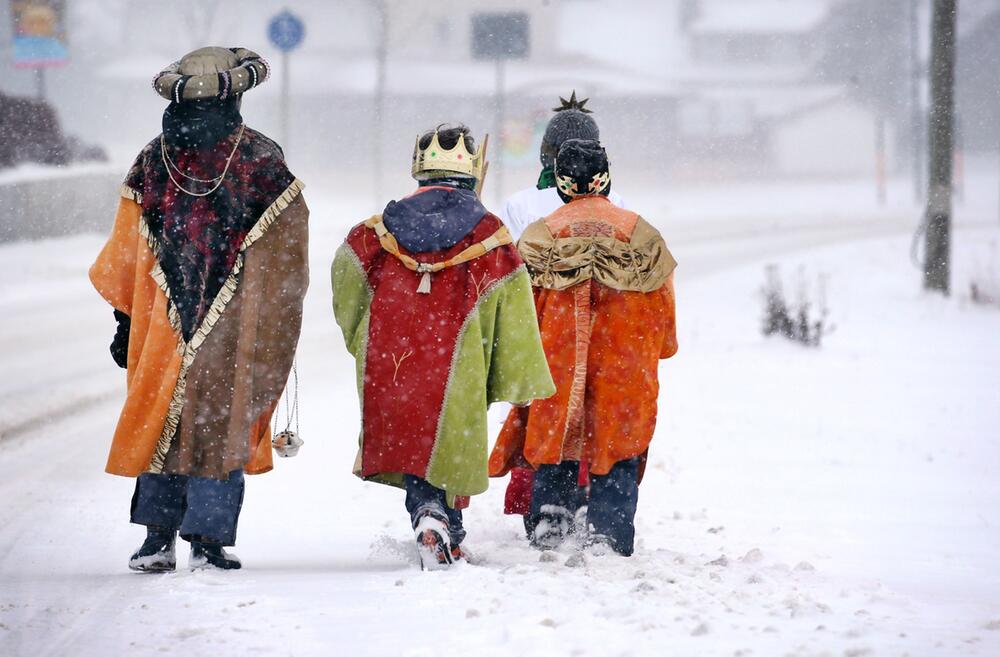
571,120
604,296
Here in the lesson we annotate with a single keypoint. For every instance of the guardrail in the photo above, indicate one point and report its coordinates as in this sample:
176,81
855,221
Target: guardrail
38,201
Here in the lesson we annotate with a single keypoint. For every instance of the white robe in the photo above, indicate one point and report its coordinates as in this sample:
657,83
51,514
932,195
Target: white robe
530,205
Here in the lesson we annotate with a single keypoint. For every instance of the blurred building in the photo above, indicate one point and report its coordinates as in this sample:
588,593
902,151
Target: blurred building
977,76
682,89
429,31
747,88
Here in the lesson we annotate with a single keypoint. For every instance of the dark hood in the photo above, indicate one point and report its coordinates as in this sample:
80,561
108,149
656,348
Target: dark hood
433,220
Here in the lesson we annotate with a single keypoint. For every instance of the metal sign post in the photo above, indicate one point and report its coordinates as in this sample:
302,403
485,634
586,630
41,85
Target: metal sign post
499,37
378,99
286,32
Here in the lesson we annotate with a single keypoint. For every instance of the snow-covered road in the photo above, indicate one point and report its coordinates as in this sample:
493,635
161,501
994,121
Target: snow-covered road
831,502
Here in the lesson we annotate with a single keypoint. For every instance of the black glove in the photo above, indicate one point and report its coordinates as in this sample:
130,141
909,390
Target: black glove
119,346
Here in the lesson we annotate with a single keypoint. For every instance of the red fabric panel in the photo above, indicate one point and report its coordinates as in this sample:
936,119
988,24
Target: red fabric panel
517,500
411,342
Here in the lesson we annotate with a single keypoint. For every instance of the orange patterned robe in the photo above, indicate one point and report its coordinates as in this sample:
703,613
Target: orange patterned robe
603,344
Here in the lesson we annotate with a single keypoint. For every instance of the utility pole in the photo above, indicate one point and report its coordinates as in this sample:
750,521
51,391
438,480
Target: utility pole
381,51
499,36
880,158
40,83
286,91
916,134
498,121
286,32
937,218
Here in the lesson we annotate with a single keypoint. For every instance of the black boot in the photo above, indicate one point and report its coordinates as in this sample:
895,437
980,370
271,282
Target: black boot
156,554
552,525
211,555
529,525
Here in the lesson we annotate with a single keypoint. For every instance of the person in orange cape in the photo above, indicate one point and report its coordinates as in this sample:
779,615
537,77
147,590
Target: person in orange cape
604,296
571,120
206,269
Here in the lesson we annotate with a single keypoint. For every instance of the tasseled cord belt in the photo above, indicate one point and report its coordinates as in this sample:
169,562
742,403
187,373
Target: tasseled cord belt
389,243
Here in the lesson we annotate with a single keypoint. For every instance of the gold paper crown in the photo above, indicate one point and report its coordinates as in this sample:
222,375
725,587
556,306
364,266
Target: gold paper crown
433,159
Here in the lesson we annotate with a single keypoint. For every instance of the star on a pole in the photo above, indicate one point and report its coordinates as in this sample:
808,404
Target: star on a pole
572,104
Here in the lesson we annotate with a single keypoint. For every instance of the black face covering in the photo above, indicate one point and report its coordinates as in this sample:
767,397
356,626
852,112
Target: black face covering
199,123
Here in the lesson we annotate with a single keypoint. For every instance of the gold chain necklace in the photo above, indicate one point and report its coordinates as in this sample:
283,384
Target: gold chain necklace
172,165
167,163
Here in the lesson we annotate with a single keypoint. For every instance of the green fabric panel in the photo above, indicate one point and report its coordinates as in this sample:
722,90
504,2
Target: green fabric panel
499,357
459,461
351,299
394,479
518,369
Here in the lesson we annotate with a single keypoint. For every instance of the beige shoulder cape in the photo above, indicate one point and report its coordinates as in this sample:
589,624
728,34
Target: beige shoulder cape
641,265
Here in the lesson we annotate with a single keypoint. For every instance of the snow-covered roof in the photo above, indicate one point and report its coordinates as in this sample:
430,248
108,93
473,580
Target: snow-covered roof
312,74
973,13
777,101
759,16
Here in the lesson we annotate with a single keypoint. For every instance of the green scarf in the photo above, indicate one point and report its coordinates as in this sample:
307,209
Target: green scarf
546,179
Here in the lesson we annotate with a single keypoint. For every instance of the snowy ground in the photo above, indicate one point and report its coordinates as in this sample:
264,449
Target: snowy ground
840,501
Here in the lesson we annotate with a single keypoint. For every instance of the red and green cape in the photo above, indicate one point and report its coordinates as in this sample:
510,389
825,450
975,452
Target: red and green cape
428,365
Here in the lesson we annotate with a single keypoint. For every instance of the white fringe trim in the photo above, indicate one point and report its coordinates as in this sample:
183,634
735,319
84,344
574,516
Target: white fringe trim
127,192
188,350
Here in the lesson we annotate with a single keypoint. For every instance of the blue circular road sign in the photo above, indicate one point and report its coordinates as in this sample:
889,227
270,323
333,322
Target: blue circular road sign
286,31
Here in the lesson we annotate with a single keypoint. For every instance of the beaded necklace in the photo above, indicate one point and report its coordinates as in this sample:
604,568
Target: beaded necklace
217,180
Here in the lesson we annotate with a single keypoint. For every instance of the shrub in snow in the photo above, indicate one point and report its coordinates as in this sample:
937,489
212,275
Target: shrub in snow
796,322
984,294
984,288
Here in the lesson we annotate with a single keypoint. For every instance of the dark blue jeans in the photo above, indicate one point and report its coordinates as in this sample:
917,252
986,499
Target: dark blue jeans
200,509
613,499
423,499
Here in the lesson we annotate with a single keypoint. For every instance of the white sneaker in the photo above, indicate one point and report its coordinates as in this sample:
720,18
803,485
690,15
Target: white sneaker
433,543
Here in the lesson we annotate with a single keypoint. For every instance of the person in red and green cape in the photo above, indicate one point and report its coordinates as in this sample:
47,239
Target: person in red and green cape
436,307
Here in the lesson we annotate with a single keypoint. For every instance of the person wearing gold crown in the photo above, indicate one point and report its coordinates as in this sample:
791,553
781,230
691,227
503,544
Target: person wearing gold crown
603,280
435,305
206,269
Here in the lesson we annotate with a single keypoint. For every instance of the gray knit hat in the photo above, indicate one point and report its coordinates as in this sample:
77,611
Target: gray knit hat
211,73
572,121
